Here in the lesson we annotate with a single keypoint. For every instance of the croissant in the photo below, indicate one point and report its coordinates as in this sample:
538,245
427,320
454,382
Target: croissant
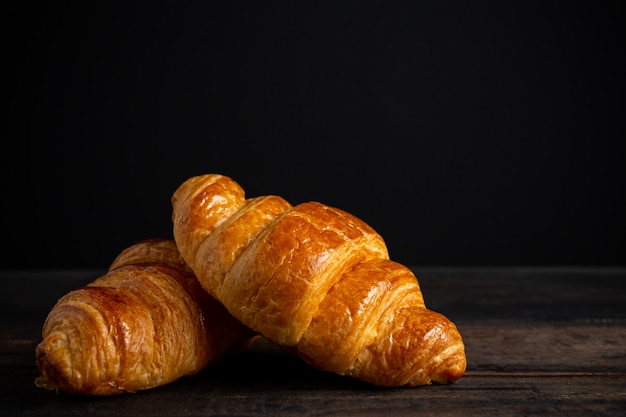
314,279
145,323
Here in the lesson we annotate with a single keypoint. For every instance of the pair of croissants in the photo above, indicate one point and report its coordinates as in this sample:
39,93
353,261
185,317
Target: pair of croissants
310,278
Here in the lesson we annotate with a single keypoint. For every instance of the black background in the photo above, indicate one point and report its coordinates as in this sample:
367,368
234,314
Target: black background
466,133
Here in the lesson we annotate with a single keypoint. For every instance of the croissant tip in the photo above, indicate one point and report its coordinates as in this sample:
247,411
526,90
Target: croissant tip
45,383
453,372
52,361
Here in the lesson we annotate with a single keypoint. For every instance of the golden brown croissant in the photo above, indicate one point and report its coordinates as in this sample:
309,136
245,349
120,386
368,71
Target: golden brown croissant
317,279
145,323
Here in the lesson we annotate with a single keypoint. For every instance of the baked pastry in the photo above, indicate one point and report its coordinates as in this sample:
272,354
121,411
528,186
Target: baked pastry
314,279
145,323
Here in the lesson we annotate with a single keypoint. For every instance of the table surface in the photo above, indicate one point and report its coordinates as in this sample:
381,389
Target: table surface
538,341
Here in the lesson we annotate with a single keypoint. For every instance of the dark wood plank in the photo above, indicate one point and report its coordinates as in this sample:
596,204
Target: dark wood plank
539,341
526,294
282,386
545,348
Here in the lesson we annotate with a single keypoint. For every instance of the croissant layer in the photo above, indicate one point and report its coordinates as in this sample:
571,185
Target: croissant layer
316,279
145,323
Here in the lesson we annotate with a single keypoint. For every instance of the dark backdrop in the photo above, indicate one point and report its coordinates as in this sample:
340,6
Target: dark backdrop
466,133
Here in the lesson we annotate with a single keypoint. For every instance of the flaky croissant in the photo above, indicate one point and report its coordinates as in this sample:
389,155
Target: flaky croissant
315,279
145,323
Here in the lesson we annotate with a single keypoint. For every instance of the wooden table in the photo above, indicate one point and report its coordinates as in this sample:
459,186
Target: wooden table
538,340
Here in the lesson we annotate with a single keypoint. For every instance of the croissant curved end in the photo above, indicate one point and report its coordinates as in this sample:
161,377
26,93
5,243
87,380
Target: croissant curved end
54,360
449,362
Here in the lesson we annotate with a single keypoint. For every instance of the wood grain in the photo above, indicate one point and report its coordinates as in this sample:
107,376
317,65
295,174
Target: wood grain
539,341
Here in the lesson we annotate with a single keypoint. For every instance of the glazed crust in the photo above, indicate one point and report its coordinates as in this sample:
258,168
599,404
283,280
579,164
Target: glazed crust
316,279
145,323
